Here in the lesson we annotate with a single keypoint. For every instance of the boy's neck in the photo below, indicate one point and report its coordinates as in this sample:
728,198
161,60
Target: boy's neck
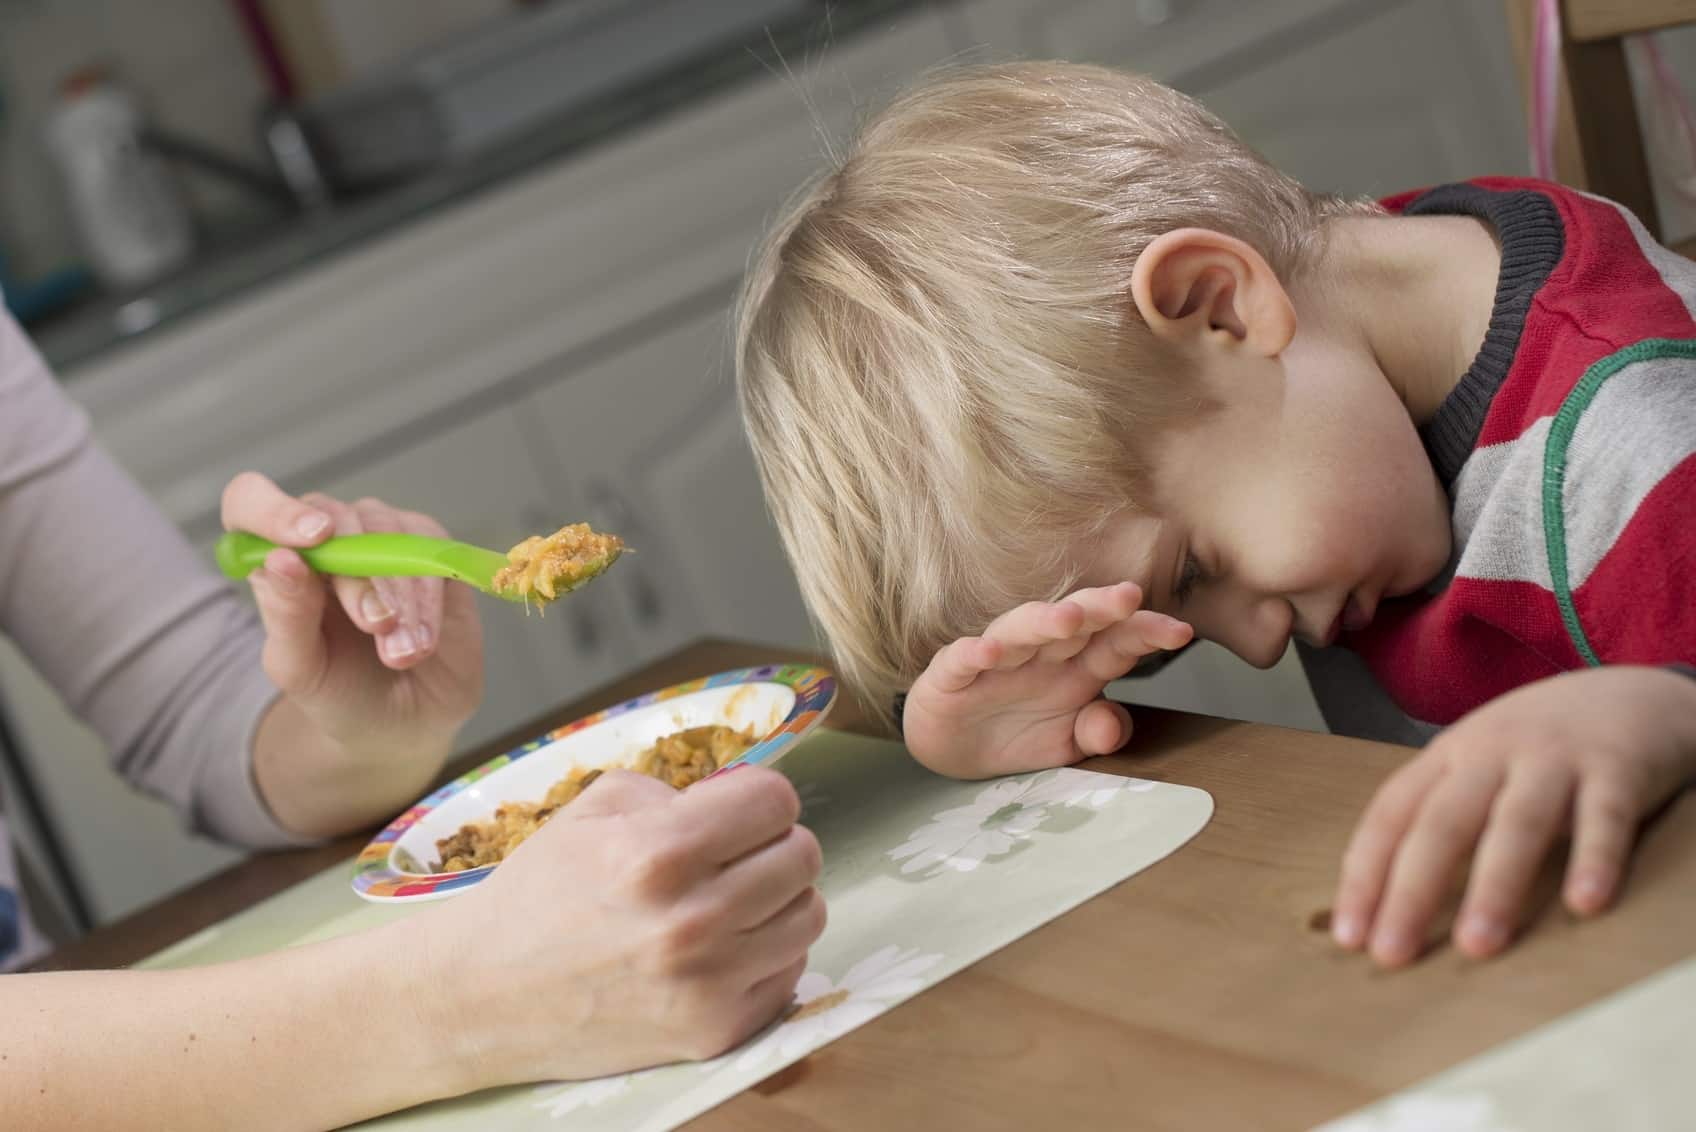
1417,292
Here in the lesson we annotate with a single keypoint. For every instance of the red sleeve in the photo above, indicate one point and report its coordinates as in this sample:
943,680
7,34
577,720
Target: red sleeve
1638,606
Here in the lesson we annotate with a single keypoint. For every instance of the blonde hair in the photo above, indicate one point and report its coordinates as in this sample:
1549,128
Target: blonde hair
938,361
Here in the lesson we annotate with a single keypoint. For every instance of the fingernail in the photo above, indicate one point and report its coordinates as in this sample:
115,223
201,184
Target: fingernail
1348,930
402,644
1392,946
312,524
374,607
280,584
1588,891
1483,932
421,633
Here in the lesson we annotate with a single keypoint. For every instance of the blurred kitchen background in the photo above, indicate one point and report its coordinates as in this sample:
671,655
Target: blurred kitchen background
476,257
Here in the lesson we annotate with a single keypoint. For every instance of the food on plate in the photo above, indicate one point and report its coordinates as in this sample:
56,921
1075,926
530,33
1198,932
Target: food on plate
677,760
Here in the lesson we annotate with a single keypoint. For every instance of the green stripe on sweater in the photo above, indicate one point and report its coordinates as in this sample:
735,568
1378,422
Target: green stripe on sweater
1561,430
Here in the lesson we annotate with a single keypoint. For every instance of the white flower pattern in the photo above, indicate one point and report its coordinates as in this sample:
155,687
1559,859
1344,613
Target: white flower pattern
826,1010
1003,814
1419,1113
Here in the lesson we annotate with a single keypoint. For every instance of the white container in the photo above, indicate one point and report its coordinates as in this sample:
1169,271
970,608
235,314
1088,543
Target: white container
132,221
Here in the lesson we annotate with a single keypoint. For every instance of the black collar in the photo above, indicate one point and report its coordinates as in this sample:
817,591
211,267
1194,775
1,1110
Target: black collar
1532,238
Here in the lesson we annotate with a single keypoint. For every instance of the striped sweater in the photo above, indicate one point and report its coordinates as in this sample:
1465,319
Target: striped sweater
1569,453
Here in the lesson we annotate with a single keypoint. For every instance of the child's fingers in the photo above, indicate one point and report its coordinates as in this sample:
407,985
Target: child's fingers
1102,727
1103,607
1604,827
1366,862
1024,630
1442,835
1523,823
1112,652
961,662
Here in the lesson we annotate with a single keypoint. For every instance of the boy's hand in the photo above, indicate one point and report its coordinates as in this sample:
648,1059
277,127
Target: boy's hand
1027,694
1586,752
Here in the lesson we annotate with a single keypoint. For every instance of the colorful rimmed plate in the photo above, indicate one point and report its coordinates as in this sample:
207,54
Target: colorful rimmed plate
780,702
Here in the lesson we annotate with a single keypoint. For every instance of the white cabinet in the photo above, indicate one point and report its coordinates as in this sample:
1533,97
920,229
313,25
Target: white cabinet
478,480
653,439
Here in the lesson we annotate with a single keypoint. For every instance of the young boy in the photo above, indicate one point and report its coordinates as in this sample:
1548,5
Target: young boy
1053,330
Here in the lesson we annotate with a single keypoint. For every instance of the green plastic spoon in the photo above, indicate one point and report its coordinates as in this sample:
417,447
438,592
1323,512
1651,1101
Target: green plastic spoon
392,555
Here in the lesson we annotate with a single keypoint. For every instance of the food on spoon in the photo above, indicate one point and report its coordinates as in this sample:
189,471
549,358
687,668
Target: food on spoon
678,760
546,566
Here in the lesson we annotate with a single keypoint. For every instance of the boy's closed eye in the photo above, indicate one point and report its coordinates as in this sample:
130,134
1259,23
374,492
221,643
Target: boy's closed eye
1189,576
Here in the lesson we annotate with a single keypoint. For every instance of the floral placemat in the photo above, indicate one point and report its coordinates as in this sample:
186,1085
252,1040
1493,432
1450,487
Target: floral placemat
923,876
1620,1065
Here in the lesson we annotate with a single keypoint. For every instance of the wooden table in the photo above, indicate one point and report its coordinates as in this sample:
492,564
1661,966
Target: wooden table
1200,994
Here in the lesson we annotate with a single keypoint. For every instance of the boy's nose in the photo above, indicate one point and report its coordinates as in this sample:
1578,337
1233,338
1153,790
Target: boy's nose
1260,632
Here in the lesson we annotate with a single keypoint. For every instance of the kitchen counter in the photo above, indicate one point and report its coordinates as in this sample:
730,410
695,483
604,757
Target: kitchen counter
272,252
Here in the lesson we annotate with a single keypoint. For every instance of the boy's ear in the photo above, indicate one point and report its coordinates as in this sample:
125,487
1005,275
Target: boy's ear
1196,288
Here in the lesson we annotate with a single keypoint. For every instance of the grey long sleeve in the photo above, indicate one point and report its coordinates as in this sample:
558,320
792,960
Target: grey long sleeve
144,642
